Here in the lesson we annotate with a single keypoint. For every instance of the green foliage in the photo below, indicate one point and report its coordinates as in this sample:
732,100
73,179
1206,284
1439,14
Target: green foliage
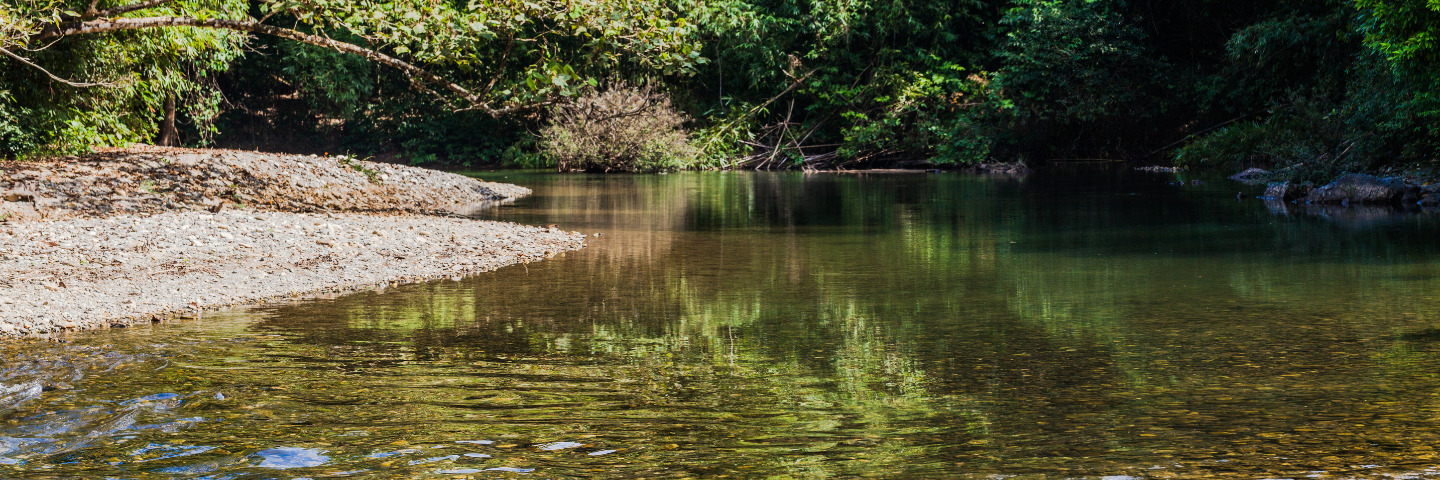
137,71
1310,86
851,80
1360,115
1075,61
1407,32
727,138
497,57
334,84
303,99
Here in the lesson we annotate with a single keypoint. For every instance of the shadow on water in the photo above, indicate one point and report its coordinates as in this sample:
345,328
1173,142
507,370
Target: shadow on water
799,326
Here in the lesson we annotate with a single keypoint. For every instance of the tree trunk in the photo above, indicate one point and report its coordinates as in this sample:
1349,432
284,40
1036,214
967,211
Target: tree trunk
169,136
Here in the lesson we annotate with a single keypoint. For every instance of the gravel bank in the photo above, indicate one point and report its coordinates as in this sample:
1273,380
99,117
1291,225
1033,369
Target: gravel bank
156,179
76,257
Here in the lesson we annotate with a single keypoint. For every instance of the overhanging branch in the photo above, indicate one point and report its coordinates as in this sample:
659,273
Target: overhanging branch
51,75
104,25
123,9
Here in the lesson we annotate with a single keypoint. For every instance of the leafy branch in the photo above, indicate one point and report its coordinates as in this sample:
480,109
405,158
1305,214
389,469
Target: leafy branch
413,37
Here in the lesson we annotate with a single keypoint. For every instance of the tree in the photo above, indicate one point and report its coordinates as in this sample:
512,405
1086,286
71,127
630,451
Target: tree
495,56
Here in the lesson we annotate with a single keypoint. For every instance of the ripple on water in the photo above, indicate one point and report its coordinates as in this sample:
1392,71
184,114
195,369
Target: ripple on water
291,457
560,445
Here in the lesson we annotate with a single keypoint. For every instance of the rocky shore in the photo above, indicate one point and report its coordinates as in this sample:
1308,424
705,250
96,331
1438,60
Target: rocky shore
139,235
1355,188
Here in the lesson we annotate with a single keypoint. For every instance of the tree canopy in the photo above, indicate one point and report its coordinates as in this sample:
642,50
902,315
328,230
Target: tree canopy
1323,86
496,57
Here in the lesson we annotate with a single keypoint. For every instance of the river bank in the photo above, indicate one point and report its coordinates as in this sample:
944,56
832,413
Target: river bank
139,235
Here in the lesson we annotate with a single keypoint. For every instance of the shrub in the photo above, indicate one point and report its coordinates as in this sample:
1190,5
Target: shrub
1376,123
622,129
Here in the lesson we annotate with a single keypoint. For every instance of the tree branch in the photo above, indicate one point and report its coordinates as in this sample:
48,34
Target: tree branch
51,75
122,24
123,9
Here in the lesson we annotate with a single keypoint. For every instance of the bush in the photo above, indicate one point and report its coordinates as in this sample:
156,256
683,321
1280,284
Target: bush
1377,123
1306,140
623,129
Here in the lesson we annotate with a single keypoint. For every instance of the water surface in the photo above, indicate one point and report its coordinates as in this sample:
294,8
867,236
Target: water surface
788,325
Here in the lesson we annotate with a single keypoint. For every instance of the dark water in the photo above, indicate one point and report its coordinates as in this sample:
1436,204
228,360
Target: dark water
801,326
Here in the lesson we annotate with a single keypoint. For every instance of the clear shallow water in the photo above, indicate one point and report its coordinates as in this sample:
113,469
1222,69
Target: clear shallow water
800,326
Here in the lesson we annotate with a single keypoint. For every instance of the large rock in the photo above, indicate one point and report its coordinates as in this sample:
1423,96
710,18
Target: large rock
1287,191
1361,188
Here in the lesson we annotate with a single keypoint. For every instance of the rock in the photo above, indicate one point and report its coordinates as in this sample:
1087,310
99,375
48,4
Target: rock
1251,175
18,197
1361,188
1430,199
1287,191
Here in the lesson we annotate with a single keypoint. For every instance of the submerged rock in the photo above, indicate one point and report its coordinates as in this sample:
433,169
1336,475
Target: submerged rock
1018,168
1361,188
1251,175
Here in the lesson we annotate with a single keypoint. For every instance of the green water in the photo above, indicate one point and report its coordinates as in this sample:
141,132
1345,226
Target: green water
787,325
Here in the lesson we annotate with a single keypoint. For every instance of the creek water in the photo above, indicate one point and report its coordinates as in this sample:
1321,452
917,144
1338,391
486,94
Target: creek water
789,325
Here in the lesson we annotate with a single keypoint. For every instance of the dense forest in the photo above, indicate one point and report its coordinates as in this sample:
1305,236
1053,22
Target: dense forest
1311,88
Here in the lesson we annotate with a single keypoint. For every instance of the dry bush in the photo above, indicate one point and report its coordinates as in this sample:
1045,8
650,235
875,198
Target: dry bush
622,129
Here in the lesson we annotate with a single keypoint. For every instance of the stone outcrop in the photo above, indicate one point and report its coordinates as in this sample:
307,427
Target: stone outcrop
1363,189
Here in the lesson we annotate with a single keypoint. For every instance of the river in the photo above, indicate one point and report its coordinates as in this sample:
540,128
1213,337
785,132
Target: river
1070,324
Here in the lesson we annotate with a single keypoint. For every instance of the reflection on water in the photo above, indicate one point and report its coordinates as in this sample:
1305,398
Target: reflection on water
799,326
